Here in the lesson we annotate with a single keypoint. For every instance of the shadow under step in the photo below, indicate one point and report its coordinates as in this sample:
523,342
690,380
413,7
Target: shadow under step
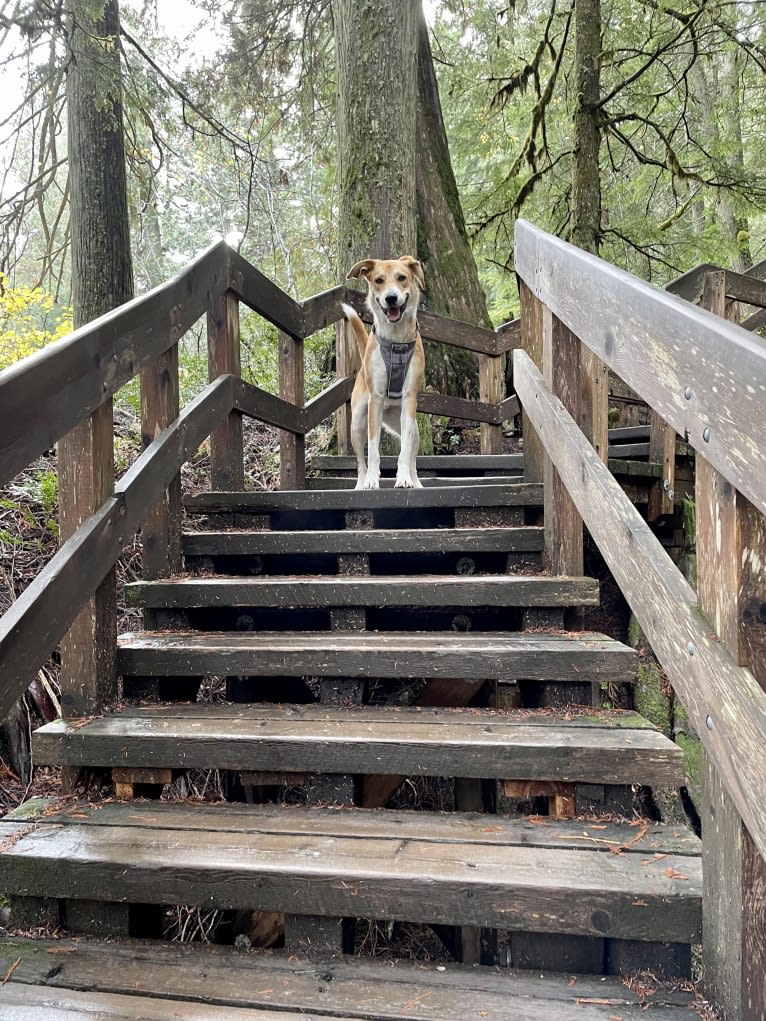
263,502
380,591
591,746
509,656
346,482
560,877
156,982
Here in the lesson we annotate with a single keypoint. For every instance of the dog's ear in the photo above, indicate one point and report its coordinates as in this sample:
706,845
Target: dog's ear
417,269
361,269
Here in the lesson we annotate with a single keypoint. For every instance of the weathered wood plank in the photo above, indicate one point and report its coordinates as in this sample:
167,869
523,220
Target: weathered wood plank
532,343
491,387
325,403
382,540
410,742
347,482
445,464
704,376
662,450
726,706
338,988
448,882
508,336
264,296
35,622
224,358
68,380
745,288
510,494
563,525
458,407
639,837
422,590
503,656
322,310
292,446
257,403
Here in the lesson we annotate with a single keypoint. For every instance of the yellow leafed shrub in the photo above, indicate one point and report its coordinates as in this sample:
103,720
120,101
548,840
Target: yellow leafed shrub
29,320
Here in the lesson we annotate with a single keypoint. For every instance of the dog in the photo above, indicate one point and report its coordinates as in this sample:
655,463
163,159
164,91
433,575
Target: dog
393,364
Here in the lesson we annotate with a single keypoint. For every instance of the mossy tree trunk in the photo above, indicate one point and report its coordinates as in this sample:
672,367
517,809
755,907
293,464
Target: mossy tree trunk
398,193
586,181
102,278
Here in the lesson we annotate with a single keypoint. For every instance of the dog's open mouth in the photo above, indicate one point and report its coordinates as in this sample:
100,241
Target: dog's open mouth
395,312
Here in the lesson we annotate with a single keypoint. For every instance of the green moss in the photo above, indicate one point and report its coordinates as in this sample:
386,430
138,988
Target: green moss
636,636
689,518
692,749
650,699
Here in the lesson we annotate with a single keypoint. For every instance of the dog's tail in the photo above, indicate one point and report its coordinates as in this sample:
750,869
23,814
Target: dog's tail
360,333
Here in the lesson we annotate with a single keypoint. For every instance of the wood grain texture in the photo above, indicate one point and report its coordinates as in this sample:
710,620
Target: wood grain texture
328,401
161,529
503,656
697,371
33,625
224,358
264,296
136,856
265,407
662,450
380,540
510,494
491,386
340,988
726,705
563,525
292,446
410,742
420,590
532,343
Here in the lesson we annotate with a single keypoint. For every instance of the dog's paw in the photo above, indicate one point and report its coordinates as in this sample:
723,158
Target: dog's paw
371,482
405,482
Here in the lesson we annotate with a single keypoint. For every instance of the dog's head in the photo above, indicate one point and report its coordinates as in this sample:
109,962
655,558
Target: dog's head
393,286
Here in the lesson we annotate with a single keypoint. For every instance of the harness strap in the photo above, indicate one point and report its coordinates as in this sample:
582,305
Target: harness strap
396,358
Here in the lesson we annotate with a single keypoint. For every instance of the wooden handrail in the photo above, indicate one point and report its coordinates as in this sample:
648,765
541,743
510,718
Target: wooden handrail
43,612
726,705
704,376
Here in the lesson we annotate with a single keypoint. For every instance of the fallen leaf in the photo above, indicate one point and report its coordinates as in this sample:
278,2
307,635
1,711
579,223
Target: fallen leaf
11,970
672,874
572,982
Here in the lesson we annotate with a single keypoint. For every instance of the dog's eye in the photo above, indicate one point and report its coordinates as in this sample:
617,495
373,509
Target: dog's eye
401,278
379,280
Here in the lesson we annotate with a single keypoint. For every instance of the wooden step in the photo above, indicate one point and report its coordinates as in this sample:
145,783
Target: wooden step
602,747
348,482
432,868
444,464
535,655
379,540
85,979
497,495
427,590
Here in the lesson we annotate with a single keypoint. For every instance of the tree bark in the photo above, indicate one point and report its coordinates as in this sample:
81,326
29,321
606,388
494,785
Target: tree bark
586,182
102,278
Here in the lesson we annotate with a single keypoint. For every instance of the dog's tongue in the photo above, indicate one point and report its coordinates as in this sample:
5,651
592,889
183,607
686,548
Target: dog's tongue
393,314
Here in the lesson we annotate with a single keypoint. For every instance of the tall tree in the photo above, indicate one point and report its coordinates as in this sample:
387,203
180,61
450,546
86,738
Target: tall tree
102,278
586,171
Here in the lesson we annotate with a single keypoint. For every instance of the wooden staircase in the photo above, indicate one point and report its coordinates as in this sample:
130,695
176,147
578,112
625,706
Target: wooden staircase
330,644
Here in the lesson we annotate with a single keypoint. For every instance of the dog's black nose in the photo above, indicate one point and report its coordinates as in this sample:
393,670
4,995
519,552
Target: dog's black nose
392,299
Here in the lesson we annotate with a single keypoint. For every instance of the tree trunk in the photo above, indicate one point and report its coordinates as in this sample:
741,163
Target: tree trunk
586,182
377,82
102,278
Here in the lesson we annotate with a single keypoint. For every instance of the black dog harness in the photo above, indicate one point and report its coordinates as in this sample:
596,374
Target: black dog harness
397,358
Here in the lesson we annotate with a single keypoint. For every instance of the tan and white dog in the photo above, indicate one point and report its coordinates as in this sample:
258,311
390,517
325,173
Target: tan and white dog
393,363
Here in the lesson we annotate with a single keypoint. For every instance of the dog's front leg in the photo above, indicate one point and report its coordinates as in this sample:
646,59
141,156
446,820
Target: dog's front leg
406,468
374,423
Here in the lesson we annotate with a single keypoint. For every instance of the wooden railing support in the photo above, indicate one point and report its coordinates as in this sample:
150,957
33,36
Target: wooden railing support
86,480
563,524
227,470
161,531
731,585
491,381
292,446
532,343
346,363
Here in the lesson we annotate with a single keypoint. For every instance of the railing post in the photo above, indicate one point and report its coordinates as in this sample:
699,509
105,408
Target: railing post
345,361
161,531
731,586
594,411
227,469
86,480
491,392
563,524
532,343
292,446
